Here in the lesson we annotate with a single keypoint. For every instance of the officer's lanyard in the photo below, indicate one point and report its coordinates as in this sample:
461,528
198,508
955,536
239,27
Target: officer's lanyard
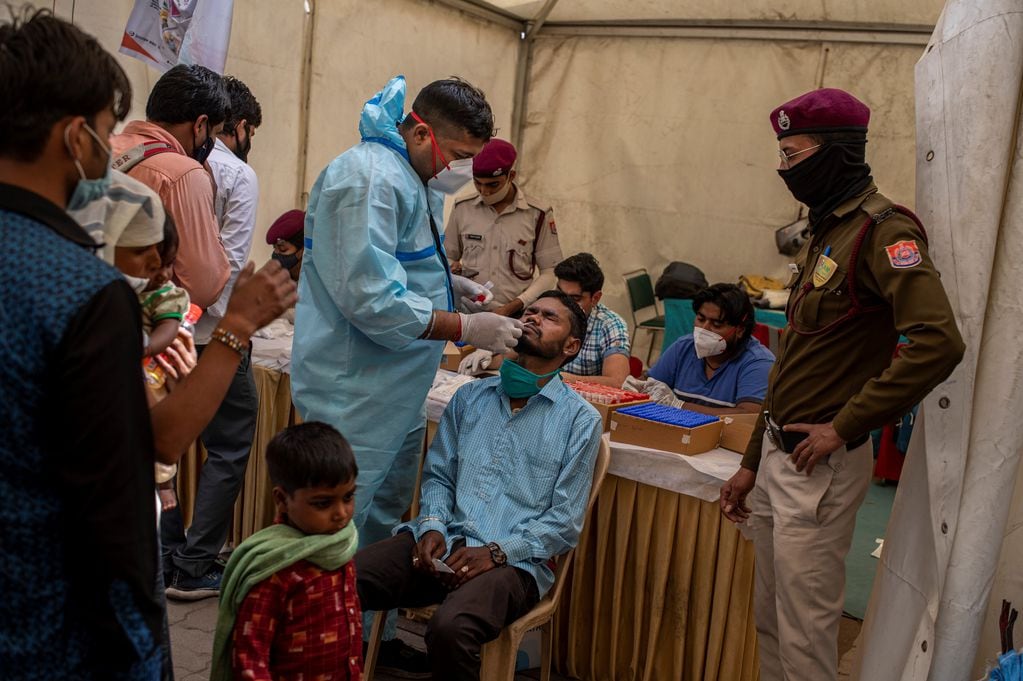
443,257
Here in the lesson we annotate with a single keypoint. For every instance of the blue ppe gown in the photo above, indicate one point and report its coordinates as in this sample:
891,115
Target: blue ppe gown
371,278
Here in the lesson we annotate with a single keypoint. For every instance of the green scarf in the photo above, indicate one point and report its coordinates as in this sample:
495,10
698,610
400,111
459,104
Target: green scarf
258,558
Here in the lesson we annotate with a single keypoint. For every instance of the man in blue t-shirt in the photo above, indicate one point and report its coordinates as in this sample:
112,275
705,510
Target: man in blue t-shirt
719,368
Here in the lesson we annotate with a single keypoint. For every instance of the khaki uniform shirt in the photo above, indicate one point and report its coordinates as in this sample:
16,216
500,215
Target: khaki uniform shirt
847,374
495,244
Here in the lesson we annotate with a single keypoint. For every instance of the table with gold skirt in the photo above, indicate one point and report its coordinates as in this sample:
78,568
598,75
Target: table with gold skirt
661,588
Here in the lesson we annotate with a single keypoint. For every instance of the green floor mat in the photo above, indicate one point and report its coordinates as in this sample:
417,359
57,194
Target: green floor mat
860,566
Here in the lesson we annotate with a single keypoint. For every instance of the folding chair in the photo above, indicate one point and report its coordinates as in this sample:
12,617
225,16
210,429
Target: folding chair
641,300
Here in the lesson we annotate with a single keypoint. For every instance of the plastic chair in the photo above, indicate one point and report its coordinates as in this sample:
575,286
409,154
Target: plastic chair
499,656
641,300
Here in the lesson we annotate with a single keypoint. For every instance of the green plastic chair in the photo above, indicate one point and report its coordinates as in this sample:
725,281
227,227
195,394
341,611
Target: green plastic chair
643,302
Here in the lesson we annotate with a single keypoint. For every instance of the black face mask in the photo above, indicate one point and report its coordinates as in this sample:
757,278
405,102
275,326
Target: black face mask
834,174
286,261
201,153
243,147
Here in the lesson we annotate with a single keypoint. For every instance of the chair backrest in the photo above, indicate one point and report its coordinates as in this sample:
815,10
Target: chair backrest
564,561
641,294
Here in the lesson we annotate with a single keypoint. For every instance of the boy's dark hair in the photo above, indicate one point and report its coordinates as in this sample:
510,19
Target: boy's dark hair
734,303
310,454
577,318
50,69
244,105
169,245
455,103
583,269
186,92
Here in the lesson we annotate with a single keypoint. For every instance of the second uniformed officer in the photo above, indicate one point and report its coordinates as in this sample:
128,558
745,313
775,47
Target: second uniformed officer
503,236
863,278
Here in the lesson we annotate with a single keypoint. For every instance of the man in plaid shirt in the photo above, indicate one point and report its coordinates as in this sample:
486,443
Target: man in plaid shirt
604,357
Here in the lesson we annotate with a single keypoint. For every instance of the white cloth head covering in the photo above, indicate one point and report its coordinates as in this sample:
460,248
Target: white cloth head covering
129,214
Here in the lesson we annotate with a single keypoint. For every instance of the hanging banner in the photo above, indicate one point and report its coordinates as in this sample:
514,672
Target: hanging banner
165,33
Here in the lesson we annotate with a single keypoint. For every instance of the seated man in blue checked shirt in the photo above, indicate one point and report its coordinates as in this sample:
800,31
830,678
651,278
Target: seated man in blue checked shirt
505,487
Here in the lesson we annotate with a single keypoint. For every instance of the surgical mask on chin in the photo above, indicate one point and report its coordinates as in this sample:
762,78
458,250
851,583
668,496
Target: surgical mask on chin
519,382
286,261
498,196
87,190
452,177
707,343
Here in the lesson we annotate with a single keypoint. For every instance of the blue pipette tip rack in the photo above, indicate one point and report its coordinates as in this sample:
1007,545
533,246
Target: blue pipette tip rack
672,416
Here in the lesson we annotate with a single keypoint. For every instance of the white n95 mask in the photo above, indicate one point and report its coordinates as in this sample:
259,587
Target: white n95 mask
452,177
707,343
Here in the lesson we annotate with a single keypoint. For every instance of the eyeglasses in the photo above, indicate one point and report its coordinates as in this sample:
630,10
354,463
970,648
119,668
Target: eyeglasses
785,158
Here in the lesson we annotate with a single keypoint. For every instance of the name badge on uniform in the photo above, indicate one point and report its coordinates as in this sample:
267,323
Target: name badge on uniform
474,237
824,270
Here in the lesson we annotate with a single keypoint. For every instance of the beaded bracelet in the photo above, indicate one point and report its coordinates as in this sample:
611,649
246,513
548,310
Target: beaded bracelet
229,339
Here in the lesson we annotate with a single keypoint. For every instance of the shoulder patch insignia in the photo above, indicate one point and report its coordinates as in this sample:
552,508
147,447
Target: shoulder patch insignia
904,254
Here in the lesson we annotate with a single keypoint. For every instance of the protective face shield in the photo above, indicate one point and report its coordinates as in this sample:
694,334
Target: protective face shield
498,196
707,343
87,190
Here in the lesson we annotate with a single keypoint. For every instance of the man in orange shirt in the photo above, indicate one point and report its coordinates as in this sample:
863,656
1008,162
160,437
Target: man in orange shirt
185,111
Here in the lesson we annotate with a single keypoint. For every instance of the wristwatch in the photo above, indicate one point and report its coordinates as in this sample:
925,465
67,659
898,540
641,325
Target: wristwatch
497,555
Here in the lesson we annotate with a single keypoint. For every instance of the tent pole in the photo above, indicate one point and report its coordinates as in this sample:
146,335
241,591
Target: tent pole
521,91
484,10
301,196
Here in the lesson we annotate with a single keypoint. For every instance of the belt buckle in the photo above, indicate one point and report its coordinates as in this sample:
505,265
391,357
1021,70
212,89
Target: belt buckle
772,431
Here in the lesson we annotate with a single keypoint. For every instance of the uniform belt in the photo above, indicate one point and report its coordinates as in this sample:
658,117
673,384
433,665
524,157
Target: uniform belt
787,441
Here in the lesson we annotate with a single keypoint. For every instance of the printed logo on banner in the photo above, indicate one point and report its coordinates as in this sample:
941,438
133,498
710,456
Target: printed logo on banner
904,254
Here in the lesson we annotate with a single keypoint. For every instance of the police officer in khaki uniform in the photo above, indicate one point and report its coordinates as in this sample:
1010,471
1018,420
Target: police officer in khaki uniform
503,236
863,278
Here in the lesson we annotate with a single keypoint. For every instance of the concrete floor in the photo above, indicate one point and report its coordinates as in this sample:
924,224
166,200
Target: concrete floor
193,624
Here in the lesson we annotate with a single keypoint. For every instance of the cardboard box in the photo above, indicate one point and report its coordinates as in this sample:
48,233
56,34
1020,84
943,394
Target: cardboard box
606,410
737,431
453,355
637,431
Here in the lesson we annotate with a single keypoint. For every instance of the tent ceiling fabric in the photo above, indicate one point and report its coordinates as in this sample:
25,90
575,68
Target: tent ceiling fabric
904,12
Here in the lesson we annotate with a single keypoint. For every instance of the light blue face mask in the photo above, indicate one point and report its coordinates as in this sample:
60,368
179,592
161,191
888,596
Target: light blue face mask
519,382
87,190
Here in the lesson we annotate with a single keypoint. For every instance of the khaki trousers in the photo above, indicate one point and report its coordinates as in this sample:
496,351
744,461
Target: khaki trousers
802,528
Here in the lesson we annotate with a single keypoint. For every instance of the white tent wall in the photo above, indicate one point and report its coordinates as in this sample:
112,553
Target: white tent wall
661,149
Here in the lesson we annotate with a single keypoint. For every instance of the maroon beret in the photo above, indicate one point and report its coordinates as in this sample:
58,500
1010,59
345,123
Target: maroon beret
286,226
496,159
818,111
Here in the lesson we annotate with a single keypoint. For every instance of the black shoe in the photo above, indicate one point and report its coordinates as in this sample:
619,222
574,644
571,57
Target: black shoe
186,588
397,658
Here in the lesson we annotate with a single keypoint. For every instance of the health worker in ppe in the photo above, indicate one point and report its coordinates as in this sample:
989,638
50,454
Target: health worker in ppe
376,293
